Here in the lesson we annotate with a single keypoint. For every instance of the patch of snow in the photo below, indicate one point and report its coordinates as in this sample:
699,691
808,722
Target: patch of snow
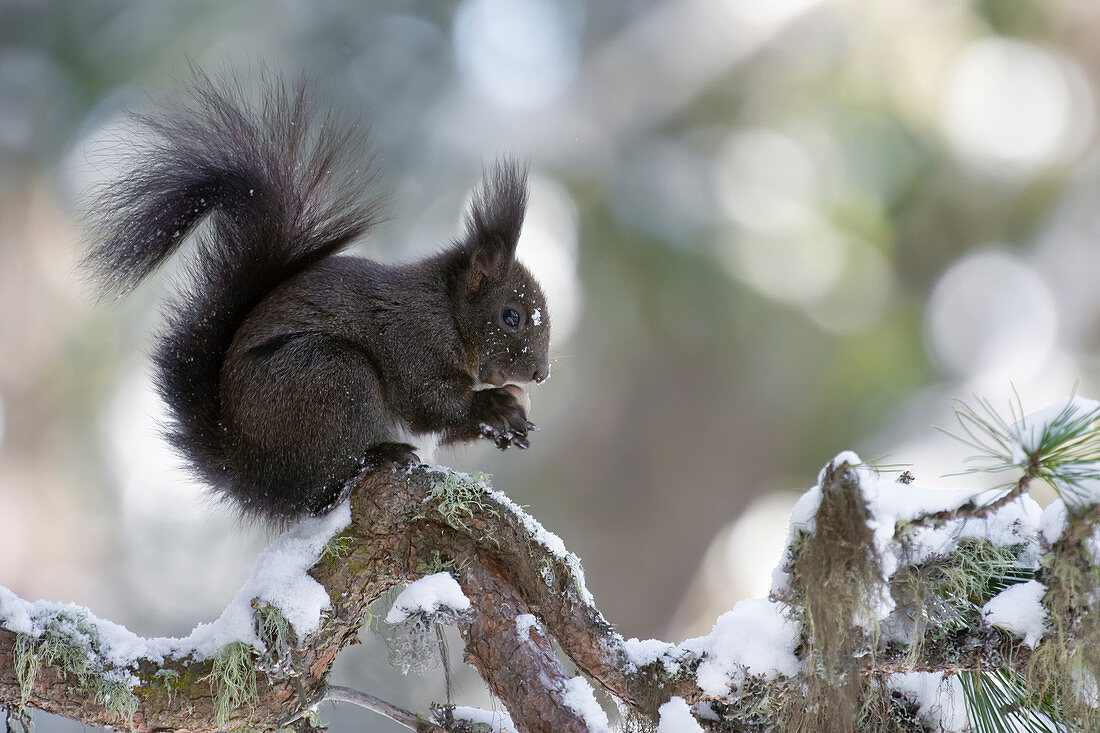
498,720
1019,610
704,710
1016,523
429,595
676,717
578,696
755,638
548,540
844,457
940,699
891,503
804,514
642,653
1078,485
279,578
536,316
524,623
1054,520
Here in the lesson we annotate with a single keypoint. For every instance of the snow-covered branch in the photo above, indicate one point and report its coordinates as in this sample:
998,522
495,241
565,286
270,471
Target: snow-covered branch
892,605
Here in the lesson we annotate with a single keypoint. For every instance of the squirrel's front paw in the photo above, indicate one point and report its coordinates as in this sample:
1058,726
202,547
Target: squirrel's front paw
501,416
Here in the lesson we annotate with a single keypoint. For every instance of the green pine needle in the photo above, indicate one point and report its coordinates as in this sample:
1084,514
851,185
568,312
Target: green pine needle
1065,453
999,700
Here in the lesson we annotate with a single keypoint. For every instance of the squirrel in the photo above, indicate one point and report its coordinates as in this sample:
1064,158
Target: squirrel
287,367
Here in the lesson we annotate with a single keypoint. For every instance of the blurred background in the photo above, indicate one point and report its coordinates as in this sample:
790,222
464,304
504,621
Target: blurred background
769,231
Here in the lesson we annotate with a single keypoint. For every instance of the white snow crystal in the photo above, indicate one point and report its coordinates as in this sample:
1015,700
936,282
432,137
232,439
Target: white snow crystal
804,514
754,638
642,653
498,720
1053,522
676,717
578,695
1019,610
117,645
428,595
524,623
536,316
941,699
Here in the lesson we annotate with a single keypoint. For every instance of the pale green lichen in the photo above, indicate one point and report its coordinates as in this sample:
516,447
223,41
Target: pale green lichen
436,562
117,697
834,579
26,667
233,681
414,643
70,645
889,711
278,636
560,577
338,545
945,593
976,571
274,630
170,679
1065,667
460,498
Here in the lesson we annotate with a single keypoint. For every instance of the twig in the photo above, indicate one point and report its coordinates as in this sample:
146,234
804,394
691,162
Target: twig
306,708
372,703
972,510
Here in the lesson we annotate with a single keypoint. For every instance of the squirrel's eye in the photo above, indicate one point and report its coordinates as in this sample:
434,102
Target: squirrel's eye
510,316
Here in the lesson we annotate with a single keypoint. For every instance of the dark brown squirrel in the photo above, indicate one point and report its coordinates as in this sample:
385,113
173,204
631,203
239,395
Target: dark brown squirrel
287,367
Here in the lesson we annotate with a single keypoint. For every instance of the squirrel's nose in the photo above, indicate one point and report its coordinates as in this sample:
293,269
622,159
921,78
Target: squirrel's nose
541,373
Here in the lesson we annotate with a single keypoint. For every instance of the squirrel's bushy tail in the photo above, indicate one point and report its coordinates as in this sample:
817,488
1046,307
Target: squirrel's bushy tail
272,178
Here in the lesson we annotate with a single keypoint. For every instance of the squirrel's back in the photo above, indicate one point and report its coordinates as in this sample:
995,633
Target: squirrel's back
274,183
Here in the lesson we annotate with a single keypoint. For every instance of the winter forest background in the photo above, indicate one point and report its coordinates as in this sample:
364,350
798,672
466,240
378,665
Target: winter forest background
769,232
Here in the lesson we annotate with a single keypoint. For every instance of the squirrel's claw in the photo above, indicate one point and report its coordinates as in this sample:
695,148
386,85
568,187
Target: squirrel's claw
504,422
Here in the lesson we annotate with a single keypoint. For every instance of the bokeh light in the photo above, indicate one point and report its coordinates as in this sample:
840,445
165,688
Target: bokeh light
519,55
1009,105
990,312
766,180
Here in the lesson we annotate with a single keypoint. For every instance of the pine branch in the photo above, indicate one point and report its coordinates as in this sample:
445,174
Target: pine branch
844,584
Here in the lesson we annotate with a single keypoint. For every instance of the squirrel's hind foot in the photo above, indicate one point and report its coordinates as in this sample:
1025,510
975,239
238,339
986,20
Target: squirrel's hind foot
396,455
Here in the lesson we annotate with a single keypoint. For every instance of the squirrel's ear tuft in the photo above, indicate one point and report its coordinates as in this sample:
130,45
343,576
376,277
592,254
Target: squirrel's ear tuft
494,221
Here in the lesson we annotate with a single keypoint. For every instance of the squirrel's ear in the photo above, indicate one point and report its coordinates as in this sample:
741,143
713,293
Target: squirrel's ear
494,222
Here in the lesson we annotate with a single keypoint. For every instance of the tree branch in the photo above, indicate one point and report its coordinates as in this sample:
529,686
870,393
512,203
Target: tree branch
409,523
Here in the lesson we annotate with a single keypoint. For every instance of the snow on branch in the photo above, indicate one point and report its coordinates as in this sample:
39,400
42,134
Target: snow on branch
892,606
